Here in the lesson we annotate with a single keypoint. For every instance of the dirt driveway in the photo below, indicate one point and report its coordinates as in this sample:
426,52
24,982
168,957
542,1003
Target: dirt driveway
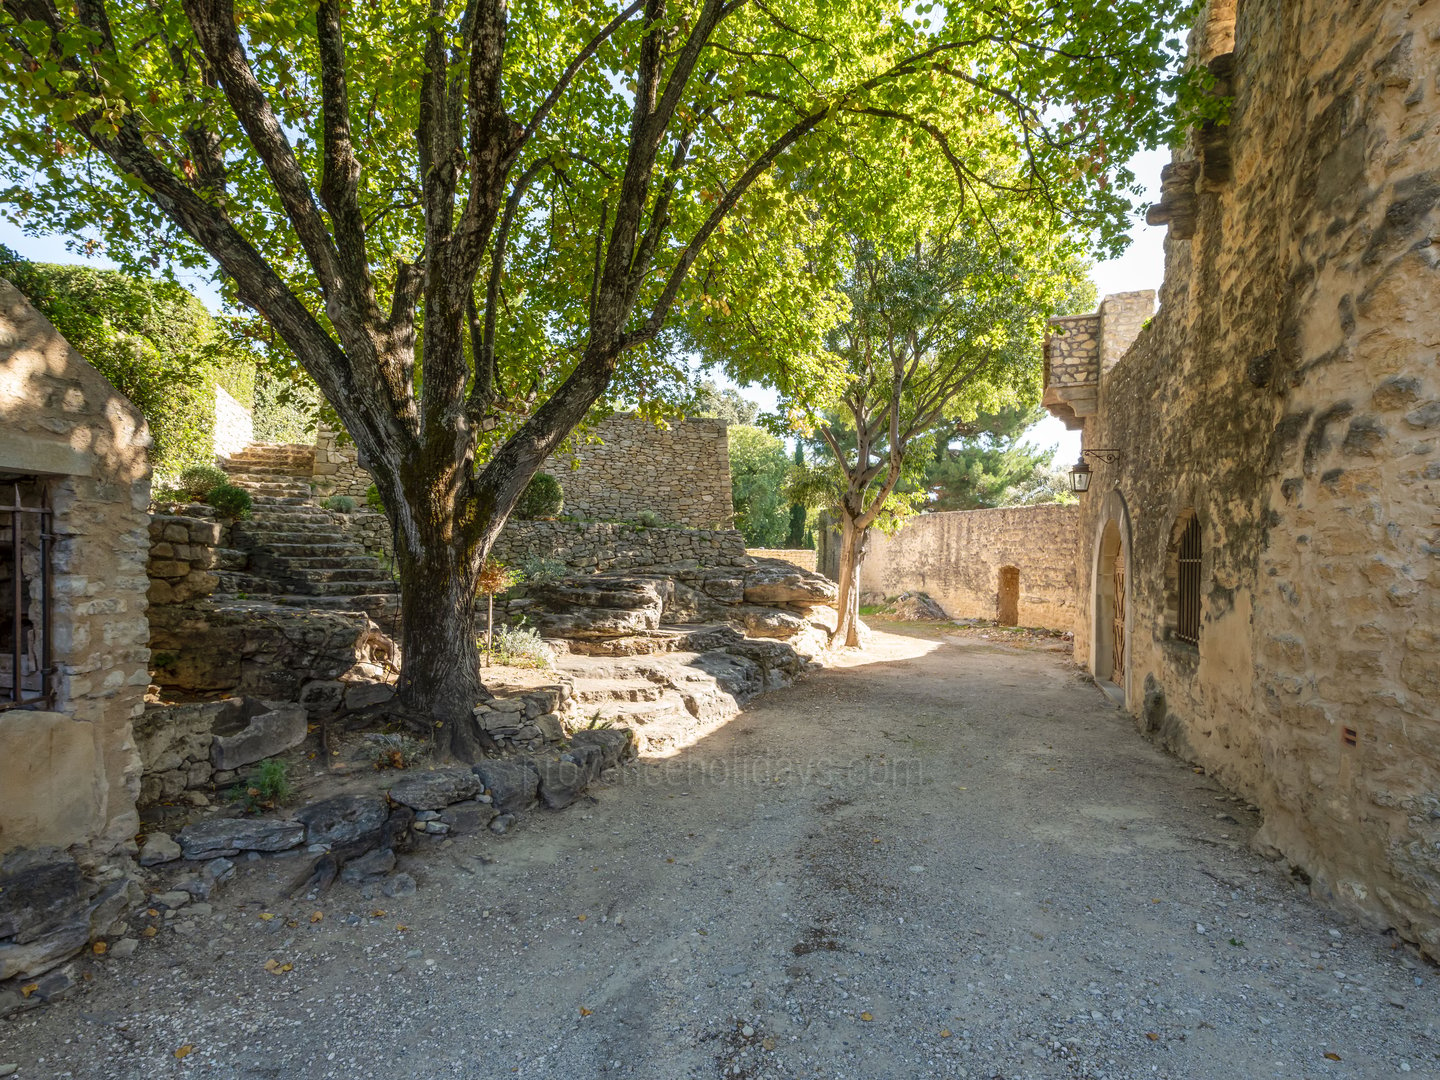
950,859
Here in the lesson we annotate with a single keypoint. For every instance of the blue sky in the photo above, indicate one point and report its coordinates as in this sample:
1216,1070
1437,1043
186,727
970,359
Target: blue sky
1141,267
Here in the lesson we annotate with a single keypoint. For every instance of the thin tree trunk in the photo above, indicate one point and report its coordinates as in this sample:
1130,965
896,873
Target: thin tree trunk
852,540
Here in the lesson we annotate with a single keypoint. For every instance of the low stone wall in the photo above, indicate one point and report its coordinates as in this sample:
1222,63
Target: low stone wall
590,547
681,473
337,467
370,528
183,557
801,557
957,558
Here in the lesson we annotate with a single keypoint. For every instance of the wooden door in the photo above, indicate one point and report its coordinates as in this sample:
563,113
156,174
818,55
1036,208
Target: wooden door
1117,630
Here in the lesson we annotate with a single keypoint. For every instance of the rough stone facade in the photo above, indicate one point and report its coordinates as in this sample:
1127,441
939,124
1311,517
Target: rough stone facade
234,424
680,473
337,467
971,561
1287,396
591,547
1080,348
801,557
69,774
183,557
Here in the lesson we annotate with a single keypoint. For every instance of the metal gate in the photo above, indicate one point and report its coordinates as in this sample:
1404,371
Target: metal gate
1117,630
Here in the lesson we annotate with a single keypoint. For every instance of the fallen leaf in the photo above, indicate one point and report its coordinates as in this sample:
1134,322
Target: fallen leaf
277,968
317,916
866,1017
1330,1056
28,989
1153,1036
585,1012
100,948
582,918
669,860
266,916
944,1033
378,913
292,923
768,1043
401,928
151,931
184,1051
152,913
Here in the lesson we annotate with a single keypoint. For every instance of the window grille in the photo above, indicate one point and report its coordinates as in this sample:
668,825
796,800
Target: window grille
25,662
1187,582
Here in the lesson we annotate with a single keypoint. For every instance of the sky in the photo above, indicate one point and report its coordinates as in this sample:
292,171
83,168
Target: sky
1140,267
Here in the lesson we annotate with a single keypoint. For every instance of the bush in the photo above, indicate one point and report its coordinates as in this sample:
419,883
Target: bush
197,481
230,501
542,498
267,786
497,578
372,499
394,751
520,646
341,504
649,519
540,570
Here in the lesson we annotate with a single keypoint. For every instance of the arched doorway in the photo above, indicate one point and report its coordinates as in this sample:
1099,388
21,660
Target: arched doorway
1110,625
1007,608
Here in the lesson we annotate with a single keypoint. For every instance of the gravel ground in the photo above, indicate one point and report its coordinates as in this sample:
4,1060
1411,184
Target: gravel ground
947,858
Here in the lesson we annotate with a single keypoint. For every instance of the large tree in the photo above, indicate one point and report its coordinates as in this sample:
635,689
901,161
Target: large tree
984,462
471,224
950,327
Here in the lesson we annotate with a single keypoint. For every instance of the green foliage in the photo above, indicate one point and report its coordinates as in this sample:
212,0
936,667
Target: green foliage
496,578
649,519
197,481
988,465
540,570
341,504
230,501
795,537
266,787
392,750
373,500
522,647
759,465
542,498
723,404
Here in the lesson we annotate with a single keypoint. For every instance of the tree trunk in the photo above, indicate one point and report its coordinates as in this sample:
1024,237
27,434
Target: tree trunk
852,546
440,675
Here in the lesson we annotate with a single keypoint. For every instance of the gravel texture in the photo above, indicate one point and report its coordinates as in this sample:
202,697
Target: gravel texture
948,857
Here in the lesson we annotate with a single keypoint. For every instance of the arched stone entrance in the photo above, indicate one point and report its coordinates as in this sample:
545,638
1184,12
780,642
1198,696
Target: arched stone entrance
1110,601
1007,607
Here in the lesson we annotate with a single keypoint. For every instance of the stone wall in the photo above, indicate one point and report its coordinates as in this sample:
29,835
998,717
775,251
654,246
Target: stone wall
801,557
234,424
590,547
1287,394
69,776
337,467
183,557
957,559
680,473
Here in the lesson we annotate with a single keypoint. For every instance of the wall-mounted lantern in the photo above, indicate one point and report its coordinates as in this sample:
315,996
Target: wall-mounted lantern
1080,474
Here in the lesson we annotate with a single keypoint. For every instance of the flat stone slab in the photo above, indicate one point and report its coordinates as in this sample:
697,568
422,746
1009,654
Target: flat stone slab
437,789
266,735
563,778
616,744
511,784
158,848
774,581
229,836
344,819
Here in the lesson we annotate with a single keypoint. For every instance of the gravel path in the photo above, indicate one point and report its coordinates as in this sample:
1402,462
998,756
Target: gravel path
948,859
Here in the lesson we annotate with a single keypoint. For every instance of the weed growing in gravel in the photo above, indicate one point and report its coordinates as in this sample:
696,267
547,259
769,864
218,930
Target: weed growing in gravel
265,788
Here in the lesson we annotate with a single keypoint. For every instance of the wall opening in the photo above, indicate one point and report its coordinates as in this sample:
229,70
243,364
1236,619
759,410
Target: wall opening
1007,607
1183,578
25,537
1110,602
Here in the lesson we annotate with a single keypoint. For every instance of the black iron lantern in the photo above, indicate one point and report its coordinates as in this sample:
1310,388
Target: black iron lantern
1081,473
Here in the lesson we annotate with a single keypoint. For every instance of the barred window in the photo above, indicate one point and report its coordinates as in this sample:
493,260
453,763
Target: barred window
1185,560
25,672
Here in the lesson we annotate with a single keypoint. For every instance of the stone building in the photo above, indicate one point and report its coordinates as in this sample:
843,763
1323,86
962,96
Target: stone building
74,492
1259,562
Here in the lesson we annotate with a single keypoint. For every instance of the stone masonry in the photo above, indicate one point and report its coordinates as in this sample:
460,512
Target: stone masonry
1286,395
680,473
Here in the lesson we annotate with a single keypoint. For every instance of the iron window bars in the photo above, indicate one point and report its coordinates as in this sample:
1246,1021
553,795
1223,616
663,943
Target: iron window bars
26,620
1187,585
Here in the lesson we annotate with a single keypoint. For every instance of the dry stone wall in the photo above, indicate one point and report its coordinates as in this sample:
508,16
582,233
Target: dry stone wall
591,547
680,473
958,559
801,557
1288,394
337,469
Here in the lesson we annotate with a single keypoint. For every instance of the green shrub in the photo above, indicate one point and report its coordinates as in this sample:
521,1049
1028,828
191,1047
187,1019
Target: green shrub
197,481
520,646
373,500
542,498
267,786
649,519
341,504
230,501
539,570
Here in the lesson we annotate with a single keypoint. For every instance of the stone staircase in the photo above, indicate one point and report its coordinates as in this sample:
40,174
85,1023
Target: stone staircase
298,554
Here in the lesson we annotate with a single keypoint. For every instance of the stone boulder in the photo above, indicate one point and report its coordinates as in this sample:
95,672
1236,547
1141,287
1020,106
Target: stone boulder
223,837
775,581
158,848
564,777
599,607
511,784
49,910
344,820
437,789
270,728
616,745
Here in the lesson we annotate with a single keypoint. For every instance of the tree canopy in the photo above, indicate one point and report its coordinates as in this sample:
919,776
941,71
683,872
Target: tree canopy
759,466
983,463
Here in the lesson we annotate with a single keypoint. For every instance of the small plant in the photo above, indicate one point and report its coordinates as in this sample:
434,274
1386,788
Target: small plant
341,504
373,500
265,788
394,751
540,570
522,647
649,519
230,501
168,495
598,723
198,481
495,577
542,498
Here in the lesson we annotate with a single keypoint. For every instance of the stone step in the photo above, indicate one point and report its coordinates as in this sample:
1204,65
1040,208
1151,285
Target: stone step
374,586
331,573
610,691
314,551
267,502
384,608
297,566
234,582
268,537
